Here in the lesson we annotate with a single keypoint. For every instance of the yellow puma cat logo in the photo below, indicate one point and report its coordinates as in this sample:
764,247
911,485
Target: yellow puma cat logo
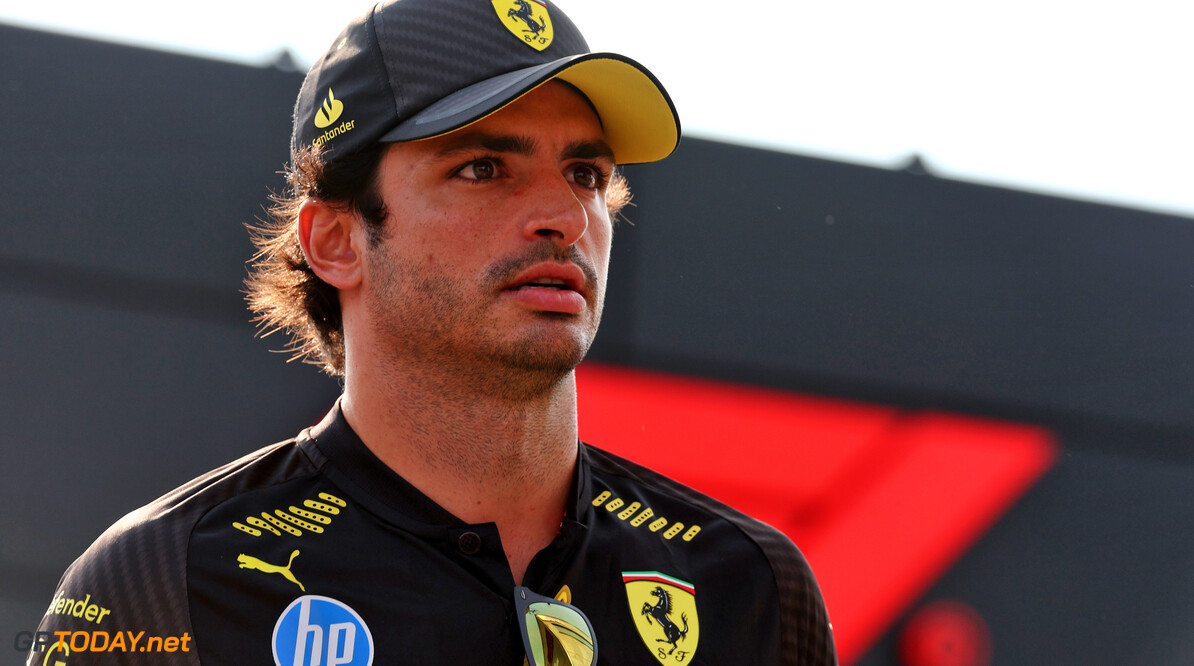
250,562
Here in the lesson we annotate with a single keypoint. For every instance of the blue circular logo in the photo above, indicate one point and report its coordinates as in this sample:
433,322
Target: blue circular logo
320,631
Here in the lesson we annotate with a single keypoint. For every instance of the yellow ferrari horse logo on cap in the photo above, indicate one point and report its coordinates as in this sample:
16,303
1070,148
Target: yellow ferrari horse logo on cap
665,614
526,20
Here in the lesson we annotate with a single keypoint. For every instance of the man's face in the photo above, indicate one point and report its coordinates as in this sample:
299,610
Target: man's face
497,243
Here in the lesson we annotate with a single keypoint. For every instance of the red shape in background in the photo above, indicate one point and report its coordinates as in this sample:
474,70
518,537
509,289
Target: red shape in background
945,633
881,501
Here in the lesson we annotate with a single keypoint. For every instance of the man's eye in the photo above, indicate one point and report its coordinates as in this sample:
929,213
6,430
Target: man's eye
484,169
588,176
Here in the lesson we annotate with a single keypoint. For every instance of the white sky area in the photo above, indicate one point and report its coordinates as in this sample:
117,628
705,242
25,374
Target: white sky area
1088,100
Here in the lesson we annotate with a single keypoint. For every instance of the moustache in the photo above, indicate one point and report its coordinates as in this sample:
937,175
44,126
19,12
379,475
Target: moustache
503,270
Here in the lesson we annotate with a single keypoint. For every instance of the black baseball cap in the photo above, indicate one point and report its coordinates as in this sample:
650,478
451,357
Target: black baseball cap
414,69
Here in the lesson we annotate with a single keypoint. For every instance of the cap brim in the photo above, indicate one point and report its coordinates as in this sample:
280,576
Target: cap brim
639,119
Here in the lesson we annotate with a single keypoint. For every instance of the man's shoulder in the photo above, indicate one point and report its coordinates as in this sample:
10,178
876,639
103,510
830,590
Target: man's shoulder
162,527
176,512
621,473
735,550
133,577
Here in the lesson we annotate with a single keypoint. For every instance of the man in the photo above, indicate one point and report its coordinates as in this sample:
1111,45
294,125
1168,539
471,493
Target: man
444,249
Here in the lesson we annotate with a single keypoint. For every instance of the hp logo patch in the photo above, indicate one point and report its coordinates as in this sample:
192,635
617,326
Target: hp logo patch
320,631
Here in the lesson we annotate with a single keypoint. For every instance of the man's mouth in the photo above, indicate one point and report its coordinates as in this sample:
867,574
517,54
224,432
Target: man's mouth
545,283
550,288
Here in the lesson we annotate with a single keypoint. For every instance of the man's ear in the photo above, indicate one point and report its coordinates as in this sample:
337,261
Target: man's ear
330,242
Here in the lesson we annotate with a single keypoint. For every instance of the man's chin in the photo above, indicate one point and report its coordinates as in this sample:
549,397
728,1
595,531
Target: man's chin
550,360
540,365
554,344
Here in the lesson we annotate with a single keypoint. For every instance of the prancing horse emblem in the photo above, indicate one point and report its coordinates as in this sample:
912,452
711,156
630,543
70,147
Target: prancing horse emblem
527,20
660,611
250,562
523,13
665,614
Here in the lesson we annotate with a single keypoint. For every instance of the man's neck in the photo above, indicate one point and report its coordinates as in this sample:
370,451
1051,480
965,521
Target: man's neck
483,455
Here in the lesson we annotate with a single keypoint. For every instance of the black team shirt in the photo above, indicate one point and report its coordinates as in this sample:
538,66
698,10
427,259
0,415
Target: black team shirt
312,551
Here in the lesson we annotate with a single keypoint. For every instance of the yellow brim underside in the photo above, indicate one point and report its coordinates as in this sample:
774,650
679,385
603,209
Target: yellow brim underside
638,120
639,123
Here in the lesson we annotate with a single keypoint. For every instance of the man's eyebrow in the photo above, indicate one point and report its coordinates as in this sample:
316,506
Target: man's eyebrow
521,145
495,143
589,150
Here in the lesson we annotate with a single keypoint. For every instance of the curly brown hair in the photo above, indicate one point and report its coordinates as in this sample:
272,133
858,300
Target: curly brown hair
283,292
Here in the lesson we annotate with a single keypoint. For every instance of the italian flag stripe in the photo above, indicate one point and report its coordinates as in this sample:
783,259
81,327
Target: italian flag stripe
655,576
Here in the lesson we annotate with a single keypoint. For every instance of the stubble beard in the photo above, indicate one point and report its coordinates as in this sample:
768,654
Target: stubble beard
432,320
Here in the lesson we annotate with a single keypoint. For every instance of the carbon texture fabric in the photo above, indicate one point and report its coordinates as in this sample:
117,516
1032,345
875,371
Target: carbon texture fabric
312,552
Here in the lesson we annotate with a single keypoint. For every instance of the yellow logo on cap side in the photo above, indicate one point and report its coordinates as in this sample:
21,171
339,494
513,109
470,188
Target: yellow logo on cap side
665,614
526,20
330,112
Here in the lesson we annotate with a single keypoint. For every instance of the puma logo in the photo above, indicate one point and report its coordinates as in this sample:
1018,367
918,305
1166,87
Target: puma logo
250,562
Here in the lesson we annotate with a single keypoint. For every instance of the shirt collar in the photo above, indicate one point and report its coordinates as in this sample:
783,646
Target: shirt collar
342,455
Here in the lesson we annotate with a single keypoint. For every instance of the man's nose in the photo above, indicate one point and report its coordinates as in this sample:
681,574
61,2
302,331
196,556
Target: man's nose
555,212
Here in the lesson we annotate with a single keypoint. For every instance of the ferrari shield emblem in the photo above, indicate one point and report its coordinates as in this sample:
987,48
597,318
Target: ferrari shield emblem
526,20
665,614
